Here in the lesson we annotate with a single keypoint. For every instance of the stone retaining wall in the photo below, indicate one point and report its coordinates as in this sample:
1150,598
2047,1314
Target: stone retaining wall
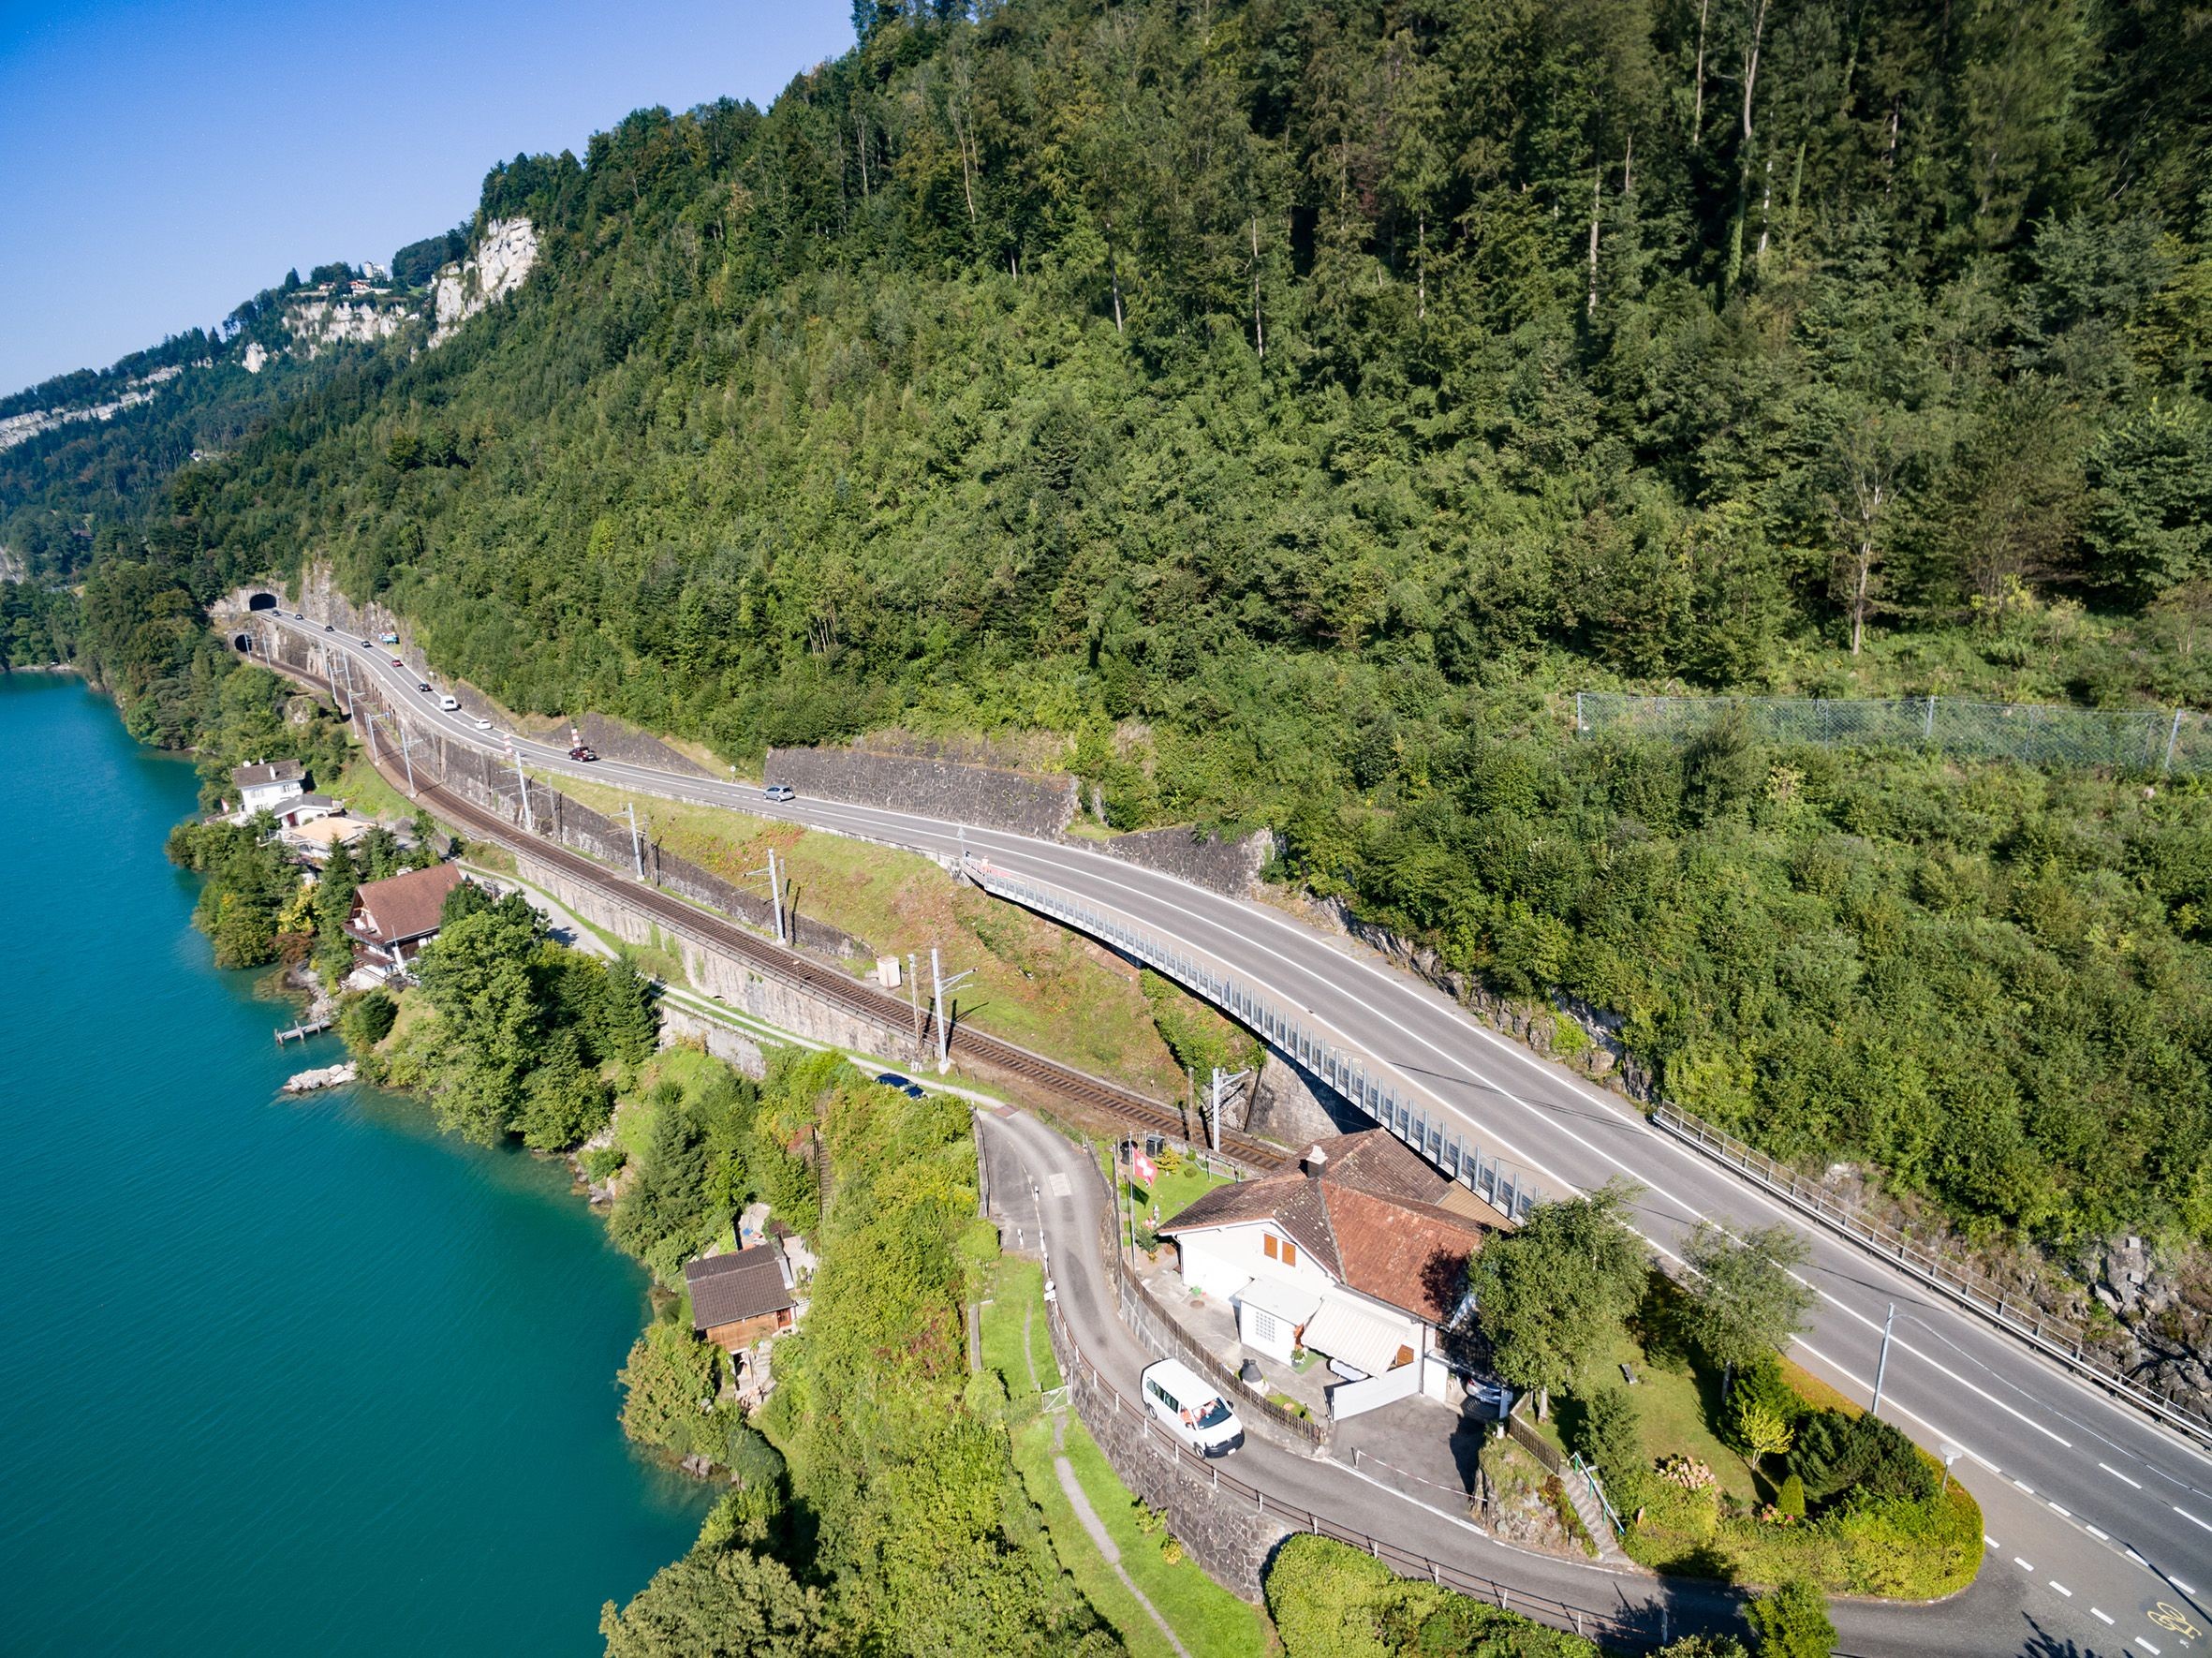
1230,868
932,787
1224,1533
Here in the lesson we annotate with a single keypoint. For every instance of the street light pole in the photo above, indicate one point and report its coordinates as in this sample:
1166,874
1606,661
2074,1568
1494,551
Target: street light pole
1881,1364
637,852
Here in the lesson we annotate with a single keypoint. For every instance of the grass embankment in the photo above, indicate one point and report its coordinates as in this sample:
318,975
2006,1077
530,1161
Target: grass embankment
1733,1530
1035,984
1209,1620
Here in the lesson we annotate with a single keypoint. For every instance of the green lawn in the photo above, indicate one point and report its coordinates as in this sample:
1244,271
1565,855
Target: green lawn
1209,1620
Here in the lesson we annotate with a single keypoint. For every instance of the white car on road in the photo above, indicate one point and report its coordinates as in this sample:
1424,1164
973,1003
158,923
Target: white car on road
1193,1410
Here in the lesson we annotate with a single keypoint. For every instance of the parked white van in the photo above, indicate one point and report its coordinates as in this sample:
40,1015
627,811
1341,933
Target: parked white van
1193,1410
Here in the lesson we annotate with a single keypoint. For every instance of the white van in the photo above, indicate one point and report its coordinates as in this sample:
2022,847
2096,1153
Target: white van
1194,1410
451,705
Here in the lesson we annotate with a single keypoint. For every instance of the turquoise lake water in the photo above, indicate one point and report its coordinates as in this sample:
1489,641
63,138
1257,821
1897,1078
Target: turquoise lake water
274,1377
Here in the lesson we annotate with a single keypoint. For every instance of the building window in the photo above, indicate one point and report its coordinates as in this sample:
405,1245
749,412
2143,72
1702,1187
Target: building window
1263,1323
1289,1254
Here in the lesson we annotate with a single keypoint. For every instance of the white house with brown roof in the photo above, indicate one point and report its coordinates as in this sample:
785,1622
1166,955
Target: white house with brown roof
393,918
1359,1254
265,784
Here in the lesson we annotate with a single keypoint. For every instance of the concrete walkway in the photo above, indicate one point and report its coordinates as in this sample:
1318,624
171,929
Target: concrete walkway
1109,1550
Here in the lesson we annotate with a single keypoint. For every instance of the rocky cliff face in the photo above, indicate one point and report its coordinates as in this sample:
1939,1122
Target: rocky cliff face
22,427
500,262
335,322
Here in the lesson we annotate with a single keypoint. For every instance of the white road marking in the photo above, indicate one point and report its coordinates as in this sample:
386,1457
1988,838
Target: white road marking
2146,1646
2056,1509
2181,1586
2100,1617
2025,1487
1988,1539
2101,1536
1053,858
2137,1559
2022,1564
2061,1588
2118,1475
2192,1518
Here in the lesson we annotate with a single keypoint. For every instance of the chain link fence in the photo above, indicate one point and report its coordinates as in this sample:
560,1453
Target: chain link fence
2151,742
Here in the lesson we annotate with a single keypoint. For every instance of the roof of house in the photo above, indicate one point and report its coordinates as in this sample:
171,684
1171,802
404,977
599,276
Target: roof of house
330,830
744,1284
264,772
1369,1212
403,907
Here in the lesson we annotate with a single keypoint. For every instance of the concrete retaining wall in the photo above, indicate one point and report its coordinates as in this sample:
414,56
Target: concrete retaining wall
732,1047
725,977
475,776
1224,1533
932,787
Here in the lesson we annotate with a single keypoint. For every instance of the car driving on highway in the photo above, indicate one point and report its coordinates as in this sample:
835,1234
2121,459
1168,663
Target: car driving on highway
780,792
1194,1410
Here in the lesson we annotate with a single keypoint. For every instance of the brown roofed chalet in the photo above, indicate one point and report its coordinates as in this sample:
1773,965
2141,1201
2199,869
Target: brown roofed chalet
730,1288
404,907
1371,1212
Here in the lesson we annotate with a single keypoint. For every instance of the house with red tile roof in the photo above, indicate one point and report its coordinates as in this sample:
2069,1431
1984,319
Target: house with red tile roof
393,918
1359,1254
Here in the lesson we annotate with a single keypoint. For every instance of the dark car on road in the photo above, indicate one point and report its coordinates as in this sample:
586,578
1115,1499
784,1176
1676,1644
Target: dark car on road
906,1085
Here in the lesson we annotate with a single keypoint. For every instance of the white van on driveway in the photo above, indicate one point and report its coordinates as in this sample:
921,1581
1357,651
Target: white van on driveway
1193,1410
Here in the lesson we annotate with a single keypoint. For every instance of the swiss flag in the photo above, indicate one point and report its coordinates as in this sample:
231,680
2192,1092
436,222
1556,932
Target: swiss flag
1142,1168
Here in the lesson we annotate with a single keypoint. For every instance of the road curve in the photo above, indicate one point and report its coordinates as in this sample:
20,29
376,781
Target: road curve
2099,1522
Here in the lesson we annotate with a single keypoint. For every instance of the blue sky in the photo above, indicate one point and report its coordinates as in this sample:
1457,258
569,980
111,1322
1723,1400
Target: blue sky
159,162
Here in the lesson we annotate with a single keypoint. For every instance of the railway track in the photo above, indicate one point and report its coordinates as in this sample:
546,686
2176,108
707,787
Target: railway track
1078,1088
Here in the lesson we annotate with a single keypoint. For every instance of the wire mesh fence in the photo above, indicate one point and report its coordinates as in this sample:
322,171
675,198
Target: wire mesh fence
2150,741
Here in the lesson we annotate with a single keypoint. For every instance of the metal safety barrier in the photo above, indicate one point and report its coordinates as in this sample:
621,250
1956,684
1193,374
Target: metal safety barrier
1506,1188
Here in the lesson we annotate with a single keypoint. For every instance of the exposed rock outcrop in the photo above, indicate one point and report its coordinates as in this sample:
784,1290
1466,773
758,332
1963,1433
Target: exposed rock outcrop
499,263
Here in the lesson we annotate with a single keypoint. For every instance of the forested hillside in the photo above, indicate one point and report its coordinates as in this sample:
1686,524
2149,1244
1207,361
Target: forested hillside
1281,400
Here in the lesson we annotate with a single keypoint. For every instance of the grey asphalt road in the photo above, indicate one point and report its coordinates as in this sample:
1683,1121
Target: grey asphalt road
2098,1521
1024,1156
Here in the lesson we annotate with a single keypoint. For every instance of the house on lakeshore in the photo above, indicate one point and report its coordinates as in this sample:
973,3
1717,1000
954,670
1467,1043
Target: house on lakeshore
1359,1255
265,785
393,918
742,1295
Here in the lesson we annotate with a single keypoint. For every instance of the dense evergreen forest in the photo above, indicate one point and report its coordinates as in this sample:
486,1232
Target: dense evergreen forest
1284,400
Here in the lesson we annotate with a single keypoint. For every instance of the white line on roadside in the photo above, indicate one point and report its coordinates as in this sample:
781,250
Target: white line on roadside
2118,1475
2181,1586
1988,1539
2061,1588
2101,1536
2025,1487
2100,1617
2192,1518
2146,1646
2057,1509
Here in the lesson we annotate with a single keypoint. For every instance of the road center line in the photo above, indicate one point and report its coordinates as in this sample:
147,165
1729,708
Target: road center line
2118,1475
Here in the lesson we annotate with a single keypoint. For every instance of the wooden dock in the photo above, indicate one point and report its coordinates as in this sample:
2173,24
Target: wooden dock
302,1033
